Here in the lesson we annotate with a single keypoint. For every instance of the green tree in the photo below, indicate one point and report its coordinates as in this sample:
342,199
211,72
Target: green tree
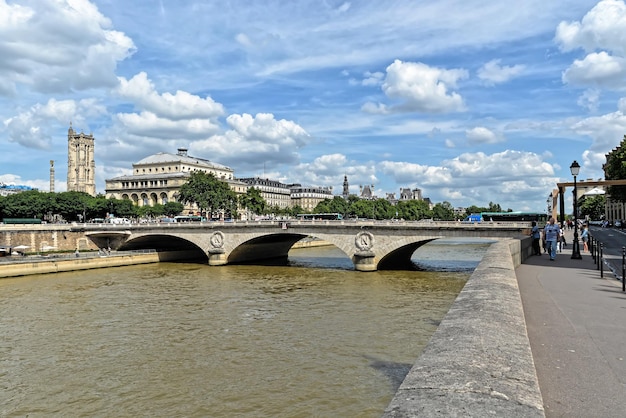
28,204
475,209
151,211
72,206
443,211
495,207
362,209
253,201
122,208
209,194
173,208
593,207
615,169
335,205
413,210
383,209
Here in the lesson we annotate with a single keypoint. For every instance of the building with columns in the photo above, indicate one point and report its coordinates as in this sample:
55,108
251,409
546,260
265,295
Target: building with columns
81,165
157,179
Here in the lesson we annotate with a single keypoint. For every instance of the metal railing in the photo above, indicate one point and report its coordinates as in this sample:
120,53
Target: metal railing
597,250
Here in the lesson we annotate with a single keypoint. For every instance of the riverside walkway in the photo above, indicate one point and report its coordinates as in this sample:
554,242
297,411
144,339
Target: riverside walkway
576,324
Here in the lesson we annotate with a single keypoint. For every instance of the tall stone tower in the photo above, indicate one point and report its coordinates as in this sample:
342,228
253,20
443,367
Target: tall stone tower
81,166
346,188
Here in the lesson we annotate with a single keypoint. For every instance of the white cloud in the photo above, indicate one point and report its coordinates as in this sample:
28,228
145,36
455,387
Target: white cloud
182,105
603,27
482,135
373,79
589,99
375,108
606,132
148,124
31,128
602,35
597,69
252,142
422,88
13,179
493,73
58,46
330,169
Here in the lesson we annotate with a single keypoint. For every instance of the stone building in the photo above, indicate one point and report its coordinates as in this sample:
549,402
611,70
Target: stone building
366,192
307,197
157,179
275,193
81,165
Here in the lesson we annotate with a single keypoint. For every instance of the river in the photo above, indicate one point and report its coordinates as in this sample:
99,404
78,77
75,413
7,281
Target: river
314,338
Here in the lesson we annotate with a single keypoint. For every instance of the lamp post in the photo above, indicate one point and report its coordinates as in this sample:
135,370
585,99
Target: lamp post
575,169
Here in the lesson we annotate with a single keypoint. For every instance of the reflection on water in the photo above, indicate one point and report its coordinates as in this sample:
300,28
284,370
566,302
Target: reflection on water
311,339
459,254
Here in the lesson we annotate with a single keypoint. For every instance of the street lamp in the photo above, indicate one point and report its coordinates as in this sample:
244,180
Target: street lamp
575,169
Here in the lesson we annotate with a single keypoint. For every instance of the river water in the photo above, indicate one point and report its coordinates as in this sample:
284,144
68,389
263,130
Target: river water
315,338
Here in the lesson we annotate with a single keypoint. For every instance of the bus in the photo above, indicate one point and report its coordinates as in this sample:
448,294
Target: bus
14,221
189,218
319,216
507,217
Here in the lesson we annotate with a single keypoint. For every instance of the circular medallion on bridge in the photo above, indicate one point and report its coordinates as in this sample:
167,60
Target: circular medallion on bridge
364,241
217,239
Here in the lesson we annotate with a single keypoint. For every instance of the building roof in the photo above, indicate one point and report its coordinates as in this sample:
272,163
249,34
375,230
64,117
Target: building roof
166,157
151,176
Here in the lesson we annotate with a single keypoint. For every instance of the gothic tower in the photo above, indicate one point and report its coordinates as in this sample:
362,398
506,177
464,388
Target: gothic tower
81,166
346,188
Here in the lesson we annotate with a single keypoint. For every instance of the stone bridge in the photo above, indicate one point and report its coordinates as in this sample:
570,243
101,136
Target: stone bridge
371,245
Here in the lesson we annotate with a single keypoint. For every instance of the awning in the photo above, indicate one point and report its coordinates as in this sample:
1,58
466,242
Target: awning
594,192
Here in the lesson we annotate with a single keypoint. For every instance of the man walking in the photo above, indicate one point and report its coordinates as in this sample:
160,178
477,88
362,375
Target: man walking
552,232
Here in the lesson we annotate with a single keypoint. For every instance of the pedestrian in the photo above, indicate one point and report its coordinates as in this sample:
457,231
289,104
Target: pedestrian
585,237
551,233
561,241
535,232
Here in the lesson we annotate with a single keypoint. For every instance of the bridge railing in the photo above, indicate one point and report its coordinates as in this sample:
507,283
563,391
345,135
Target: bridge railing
363,222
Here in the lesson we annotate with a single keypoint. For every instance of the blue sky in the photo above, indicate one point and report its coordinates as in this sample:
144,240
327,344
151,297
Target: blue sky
471,101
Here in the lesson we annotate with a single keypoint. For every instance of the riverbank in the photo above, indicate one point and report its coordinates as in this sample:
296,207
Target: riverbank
55,263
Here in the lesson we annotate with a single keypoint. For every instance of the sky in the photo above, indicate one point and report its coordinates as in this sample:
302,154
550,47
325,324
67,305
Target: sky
470,101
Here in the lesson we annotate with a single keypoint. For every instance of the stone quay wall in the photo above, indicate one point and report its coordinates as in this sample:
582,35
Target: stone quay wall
45,238
478,362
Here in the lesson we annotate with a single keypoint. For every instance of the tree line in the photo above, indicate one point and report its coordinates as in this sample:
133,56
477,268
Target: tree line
214,198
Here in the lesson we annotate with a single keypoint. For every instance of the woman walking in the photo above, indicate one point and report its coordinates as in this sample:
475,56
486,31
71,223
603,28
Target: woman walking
585,237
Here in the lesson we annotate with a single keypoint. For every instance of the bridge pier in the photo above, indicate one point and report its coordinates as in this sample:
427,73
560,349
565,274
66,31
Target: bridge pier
217,257
364,261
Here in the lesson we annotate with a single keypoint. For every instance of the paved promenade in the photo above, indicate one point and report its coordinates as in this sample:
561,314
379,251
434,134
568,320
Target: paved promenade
576,323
